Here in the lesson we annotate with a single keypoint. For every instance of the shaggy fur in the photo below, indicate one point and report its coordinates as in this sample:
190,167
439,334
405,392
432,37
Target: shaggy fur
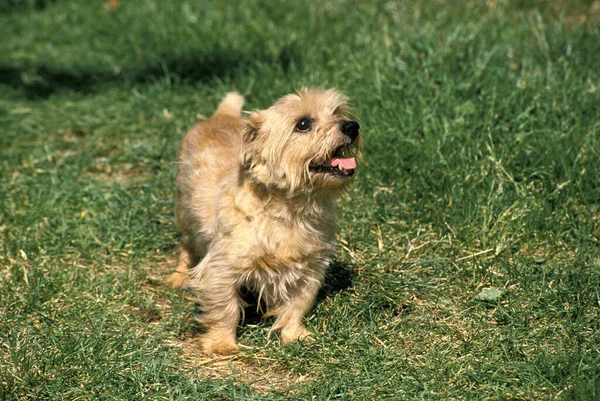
255,207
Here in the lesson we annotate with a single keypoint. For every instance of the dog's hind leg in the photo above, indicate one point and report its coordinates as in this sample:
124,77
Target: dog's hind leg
181,277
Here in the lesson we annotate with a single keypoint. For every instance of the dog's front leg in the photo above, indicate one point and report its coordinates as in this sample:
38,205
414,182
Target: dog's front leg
220,302
290,313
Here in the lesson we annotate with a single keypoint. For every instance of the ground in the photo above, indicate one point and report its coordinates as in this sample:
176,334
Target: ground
468,250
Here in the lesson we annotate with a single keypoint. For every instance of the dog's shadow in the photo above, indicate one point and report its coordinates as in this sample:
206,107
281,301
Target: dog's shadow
338,277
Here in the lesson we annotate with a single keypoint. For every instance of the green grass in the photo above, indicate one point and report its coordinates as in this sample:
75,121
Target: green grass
480,170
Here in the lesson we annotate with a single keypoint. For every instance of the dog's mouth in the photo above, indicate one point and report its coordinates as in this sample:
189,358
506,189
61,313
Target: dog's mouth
341,164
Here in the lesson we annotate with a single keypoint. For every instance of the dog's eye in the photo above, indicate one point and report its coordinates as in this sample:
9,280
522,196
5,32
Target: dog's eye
303,125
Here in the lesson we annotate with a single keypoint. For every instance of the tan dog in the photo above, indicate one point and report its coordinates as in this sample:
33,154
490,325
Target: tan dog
255,206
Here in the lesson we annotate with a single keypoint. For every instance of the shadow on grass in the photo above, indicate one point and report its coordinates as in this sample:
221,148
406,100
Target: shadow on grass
338,278
8,6
38,82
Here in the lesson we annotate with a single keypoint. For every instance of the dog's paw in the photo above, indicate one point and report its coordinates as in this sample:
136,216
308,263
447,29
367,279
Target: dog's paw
297,334
178,280
215,347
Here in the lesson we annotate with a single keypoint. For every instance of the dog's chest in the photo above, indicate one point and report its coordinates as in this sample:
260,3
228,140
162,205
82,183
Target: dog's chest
276,234
275,245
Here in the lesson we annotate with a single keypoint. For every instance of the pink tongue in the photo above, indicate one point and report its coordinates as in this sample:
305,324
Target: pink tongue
346,163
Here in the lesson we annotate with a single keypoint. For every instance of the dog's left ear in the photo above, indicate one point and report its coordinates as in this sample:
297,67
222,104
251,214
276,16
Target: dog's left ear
252,126
249,135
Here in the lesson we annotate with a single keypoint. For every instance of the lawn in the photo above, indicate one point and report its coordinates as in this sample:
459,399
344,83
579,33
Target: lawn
468,253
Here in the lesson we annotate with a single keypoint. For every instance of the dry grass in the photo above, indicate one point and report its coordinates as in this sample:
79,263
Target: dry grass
254,369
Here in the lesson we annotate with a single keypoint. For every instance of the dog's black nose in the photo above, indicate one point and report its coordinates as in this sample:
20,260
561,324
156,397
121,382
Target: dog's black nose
350,128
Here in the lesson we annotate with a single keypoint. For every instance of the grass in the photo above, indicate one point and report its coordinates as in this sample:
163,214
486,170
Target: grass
480,171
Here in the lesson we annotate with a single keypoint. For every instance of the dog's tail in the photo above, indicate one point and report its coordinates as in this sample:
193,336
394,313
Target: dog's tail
231,105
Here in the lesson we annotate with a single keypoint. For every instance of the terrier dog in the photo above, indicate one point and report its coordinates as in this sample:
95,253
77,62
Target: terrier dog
255,205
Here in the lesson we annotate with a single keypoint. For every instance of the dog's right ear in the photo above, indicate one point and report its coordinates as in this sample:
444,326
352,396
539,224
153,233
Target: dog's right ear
253,123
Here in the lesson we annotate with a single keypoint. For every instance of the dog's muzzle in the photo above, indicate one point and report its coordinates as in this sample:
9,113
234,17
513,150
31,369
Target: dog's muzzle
342,163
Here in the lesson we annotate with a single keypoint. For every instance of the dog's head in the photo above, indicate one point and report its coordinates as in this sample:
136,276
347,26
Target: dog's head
305,141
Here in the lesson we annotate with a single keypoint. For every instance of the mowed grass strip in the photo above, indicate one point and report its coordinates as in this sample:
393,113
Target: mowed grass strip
468,262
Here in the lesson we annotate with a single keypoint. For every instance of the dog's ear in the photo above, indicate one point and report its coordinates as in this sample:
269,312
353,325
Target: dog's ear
252,126
249,135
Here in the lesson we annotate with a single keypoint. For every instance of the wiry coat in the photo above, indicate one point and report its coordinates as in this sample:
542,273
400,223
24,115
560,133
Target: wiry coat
253,215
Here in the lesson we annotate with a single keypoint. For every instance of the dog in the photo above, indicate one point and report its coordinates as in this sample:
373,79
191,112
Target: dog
255,205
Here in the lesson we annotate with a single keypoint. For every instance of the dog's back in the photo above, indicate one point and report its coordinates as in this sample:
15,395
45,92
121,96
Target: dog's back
209,151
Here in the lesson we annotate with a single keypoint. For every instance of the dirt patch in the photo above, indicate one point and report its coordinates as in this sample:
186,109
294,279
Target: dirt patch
256,370
122,174
548,253
590,15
